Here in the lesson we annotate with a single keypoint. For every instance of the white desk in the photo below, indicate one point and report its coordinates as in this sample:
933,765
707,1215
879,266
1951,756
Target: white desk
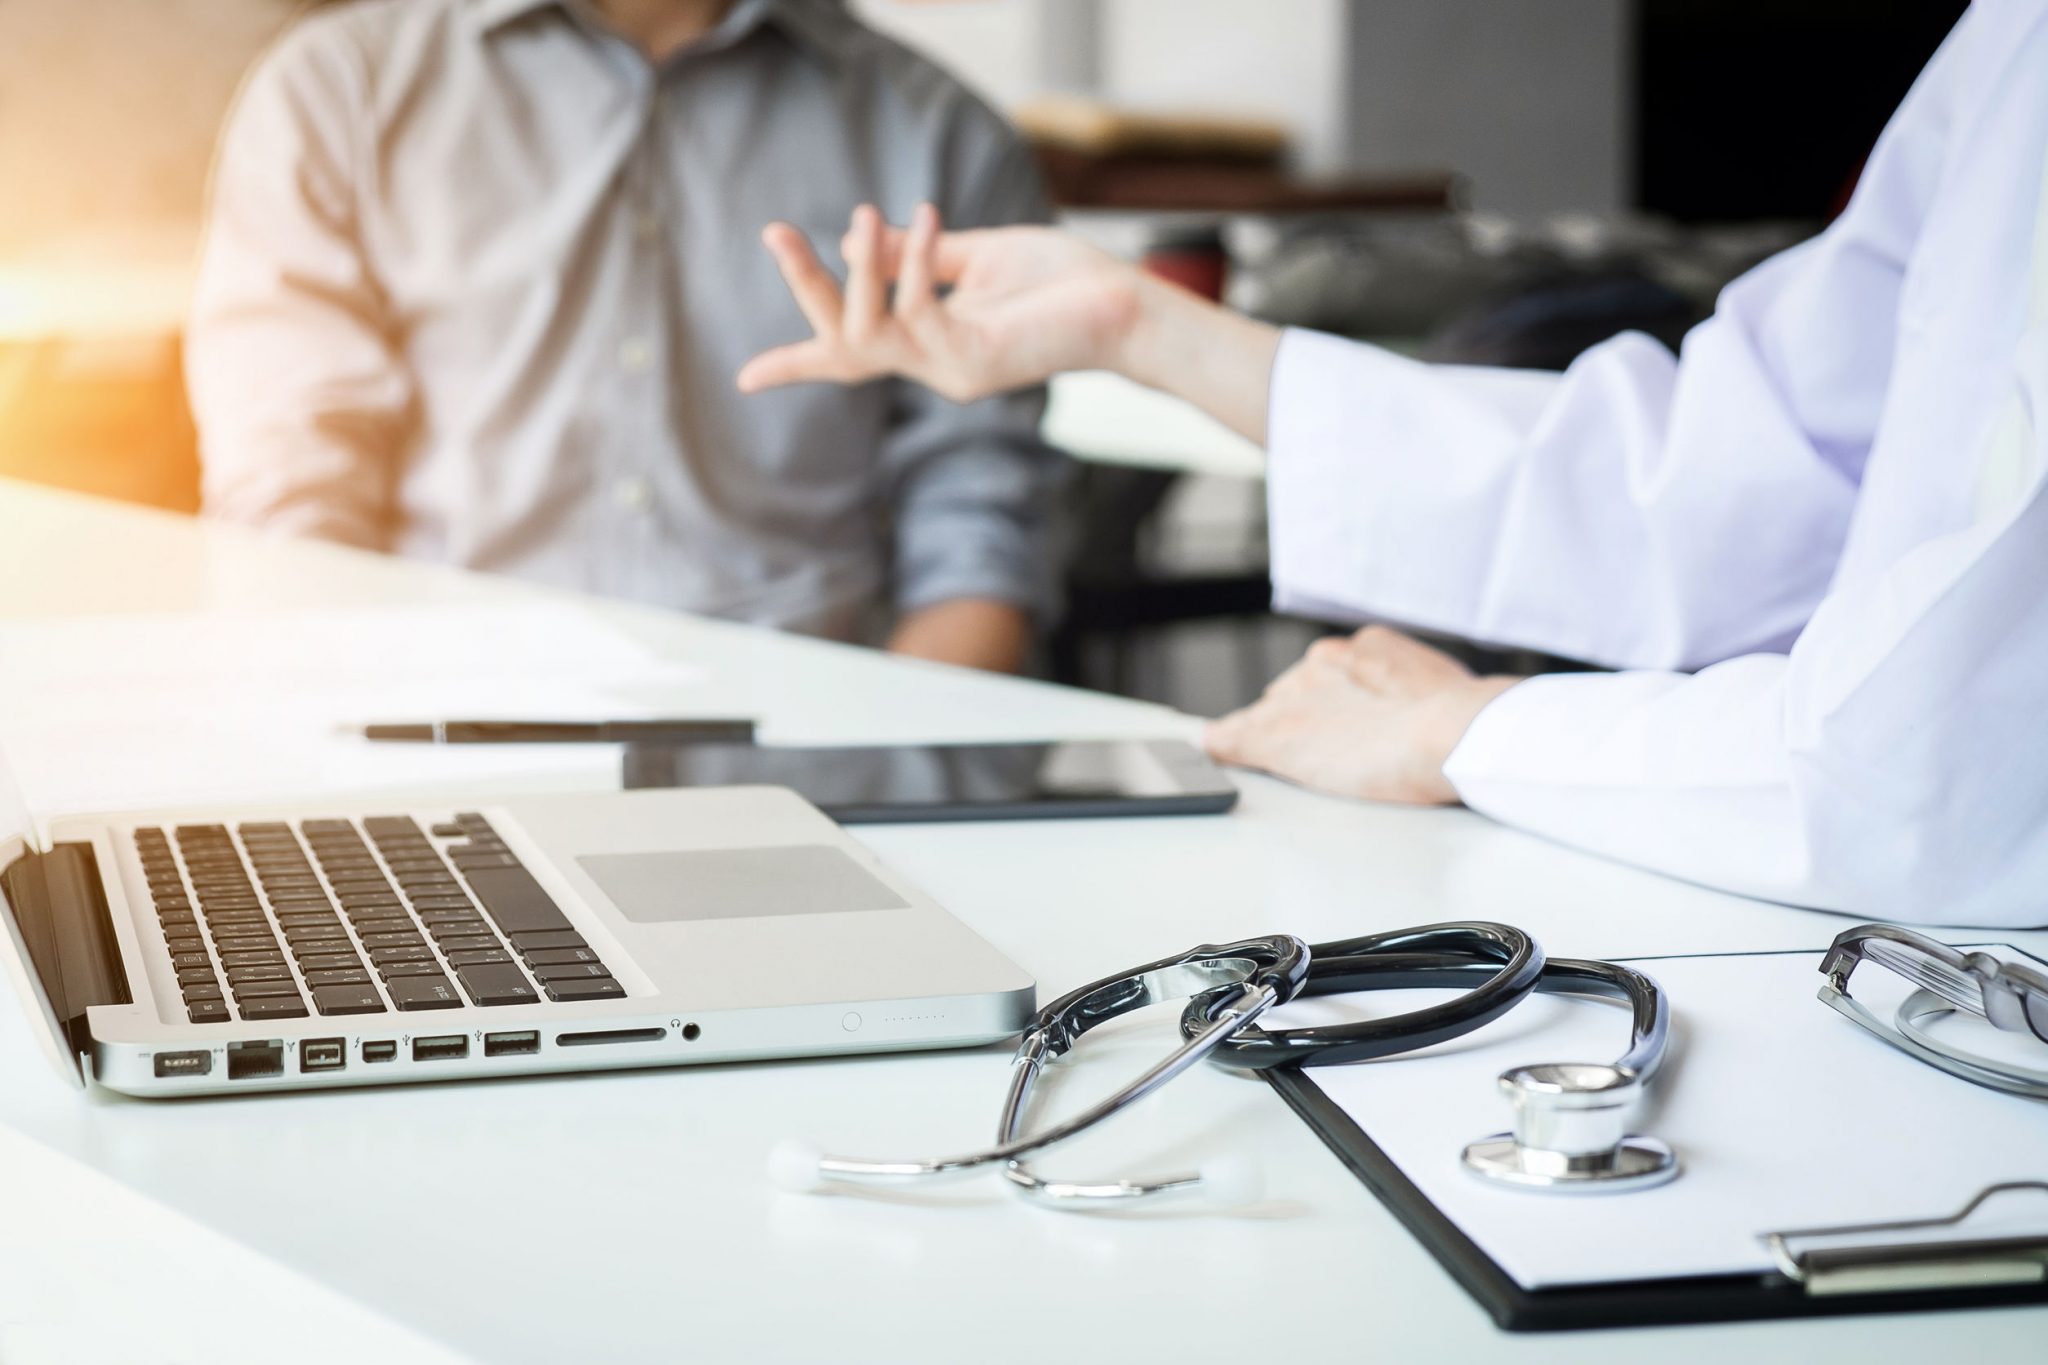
625,1216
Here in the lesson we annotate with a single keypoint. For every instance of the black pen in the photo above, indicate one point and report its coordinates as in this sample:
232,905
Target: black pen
705,731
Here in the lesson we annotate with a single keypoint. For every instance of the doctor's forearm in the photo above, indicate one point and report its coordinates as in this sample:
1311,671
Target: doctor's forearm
1182,344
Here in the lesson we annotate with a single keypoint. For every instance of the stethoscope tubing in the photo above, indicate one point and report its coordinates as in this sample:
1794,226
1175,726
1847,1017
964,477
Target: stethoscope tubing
1496,966
1649,1010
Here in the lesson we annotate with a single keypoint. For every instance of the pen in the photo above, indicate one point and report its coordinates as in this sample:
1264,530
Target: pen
706,731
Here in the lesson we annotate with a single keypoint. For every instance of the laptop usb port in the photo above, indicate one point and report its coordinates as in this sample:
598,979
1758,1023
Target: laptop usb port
446,1047
386,1051
323,1054
196,1063
511,1044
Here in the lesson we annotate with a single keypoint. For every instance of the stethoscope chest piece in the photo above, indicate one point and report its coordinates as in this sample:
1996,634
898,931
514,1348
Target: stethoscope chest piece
1571,1133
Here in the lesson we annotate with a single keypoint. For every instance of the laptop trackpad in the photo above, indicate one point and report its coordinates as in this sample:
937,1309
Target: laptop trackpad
737,883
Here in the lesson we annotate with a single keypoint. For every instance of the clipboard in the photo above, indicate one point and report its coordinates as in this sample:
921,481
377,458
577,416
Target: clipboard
1906,1246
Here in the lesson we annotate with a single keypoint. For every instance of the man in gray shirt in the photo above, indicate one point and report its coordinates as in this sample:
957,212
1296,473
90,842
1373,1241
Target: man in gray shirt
480,274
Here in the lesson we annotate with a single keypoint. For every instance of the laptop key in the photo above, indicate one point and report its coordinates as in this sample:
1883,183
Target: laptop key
190,959
402,953
233,960
381,922
213,1011
406,939
328,962
551,957
515,900
423,993
496,983
355,999
257,990
424,967
592,988
340,976
566,938
276,1007
571,971
238,975
478,957
189,975
475,943
468,860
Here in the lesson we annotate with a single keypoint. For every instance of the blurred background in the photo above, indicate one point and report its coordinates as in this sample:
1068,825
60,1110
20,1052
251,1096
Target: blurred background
1502,181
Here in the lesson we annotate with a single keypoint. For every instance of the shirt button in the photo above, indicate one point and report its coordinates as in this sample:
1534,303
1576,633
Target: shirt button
633,494
635,356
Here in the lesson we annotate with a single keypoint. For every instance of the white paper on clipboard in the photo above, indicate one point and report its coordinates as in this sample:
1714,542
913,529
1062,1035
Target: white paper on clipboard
1784,1115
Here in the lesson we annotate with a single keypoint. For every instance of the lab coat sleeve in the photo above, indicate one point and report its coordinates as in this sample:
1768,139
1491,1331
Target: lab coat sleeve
1894,764
1640,510
302,399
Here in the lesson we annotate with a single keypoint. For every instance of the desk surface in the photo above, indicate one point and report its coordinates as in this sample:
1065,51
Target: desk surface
625,1216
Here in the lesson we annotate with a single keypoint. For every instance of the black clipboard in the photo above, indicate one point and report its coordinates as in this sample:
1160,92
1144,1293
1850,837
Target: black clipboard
1621,1303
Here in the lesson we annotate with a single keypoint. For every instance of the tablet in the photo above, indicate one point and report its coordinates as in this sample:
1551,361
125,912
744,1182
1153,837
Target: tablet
1079,779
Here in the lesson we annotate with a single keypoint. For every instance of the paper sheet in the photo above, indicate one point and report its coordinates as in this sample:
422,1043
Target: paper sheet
1784,1114
106,713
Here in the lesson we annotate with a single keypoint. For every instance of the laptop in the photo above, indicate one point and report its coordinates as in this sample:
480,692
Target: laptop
250,949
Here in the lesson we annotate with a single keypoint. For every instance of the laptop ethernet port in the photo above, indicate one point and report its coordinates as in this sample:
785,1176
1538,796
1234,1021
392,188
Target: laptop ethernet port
445,1047
252,1061
512,1044
385,1051
323,1054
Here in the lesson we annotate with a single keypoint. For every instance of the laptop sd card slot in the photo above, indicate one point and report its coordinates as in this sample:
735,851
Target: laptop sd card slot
600,1037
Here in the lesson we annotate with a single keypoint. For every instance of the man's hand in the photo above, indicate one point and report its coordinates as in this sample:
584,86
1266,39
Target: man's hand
1375,717
973,632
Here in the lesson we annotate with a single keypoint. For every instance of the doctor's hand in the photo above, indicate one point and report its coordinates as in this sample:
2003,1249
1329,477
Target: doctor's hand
1021,304
982,312
1374,717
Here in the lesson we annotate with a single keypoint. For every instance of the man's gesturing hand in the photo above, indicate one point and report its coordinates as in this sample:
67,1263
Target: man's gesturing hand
1375,716
1019,305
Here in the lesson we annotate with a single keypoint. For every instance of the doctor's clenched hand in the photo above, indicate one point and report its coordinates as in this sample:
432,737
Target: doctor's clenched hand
1375,717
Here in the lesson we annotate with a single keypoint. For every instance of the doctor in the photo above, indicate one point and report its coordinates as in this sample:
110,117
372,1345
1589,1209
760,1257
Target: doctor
1814,546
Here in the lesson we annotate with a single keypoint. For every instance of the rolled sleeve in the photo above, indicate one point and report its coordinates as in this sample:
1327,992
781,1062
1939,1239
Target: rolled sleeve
977,489
975,516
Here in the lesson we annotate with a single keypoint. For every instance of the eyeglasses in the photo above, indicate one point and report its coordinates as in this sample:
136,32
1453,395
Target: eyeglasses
2010,997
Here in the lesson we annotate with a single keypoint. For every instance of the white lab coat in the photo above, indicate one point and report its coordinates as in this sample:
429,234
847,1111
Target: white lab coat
1815,545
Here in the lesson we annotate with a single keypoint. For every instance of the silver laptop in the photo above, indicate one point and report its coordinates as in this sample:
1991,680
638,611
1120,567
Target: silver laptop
218,951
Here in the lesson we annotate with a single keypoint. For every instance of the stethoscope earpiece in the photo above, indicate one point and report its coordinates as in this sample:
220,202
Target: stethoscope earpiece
797,1168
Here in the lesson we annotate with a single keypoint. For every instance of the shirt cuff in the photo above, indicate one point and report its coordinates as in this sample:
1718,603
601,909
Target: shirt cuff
997,576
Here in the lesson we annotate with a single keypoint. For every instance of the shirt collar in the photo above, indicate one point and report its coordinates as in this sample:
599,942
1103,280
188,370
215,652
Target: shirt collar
820,24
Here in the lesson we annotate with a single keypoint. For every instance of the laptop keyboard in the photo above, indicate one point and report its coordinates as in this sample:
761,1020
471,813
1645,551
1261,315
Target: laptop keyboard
271,920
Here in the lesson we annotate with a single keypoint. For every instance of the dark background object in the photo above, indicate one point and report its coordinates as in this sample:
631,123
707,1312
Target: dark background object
1767,108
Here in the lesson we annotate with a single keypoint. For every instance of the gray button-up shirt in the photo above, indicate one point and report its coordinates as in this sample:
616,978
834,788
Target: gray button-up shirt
479,277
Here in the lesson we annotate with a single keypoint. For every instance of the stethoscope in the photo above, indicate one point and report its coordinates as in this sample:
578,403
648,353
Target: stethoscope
1570,1119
